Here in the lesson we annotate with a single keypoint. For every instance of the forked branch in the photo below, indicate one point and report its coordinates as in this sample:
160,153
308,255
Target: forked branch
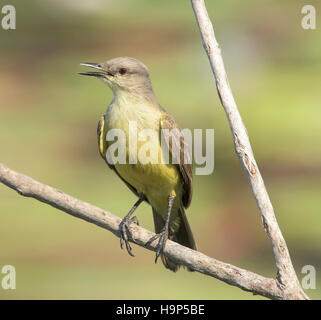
286,277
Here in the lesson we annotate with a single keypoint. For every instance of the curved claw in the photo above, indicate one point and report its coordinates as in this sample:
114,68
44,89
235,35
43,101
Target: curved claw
124,233
163,236
124,226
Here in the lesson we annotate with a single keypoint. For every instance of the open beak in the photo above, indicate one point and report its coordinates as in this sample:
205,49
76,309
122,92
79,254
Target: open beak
96,66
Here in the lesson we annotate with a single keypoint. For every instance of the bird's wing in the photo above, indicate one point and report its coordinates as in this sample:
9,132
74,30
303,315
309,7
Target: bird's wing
102,145
179,149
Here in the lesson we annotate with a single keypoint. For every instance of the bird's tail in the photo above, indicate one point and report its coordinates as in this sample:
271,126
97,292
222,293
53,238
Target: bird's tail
183,236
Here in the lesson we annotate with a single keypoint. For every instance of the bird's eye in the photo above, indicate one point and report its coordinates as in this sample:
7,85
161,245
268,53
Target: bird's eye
122,71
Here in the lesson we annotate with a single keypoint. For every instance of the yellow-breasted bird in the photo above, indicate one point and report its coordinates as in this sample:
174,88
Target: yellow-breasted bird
167,187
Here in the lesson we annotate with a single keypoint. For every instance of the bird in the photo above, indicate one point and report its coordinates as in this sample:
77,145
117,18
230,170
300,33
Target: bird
166,187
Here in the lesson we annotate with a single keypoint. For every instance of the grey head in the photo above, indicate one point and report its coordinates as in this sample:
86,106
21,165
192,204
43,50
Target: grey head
121,74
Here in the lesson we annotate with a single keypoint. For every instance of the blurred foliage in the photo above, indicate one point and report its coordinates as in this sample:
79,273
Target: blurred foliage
48,117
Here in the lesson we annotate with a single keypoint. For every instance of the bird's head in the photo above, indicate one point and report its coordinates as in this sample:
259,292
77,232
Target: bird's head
123,73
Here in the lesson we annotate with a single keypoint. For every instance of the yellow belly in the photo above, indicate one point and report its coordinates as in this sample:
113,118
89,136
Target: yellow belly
156,181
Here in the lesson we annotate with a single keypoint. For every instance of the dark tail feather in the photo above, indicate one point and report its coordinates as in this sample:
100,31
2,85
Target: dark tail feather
183,236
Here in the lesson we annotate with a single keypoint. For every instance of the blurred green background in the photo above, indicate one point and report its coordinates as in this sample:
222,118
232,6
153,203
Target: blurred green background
48,117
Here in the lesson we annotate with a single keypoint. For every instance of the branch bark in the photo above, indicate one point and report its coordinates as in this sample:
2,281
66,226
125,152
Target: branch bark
286,277
198,261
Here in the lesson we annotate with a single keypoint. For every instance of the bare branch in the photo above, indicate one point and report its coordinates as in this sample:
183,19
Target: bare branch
198,261
286,276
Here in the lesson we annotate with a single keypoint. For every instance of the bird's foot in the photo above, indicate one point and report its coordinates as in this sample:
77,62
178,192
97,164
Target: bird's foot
162,236
125,233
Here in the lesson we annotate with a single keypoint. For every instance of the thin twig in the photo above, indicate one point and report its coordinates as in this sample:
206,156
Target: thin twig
286,276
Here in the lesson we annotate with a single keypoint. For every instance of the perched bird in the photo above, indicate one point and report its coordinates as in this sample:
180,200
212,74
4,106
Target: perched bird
167,187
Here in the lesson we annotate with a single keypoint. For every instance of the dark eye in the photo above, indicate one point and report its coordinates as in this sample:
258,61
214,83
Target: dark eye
122,71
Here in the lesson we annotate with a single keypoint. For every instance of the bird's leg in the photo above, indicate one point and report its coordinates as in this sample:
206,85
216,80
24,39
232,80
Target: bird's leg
163,235
124,225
